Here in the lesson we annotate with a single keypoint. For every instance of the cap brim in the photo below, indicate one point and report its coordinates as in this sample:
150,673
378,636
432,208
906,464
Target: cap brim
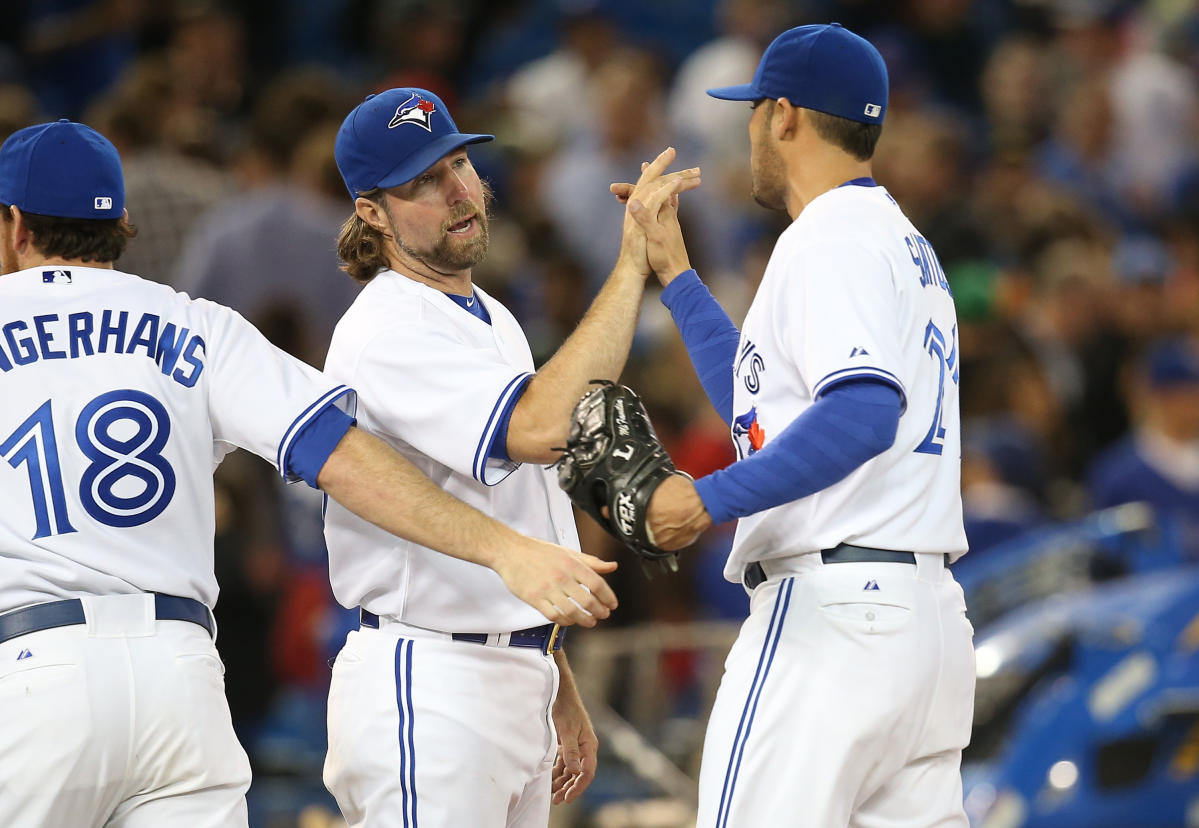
428,155
741,92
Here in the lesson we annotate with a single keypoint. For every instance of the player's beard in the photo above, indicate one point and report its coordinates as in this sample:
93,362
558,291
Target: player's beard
769,175
450,254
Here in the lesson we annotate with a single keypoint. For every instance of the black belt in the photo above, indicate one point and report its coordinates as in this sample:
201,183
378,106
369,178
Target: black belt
547,637
841,553
70,612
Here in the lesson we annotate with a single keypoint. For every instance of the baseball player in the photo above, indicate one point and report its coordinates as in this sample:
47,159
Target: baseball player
119,397
848,695
453,705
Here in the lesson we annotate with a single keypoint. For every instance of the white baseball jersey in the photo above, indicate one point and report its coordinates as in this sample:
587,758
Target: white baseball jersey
120,396
853,290
435,381
840,655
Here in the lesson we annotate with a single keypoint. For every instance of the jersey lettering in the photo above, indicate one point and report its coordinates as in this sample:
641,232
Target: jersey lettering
45,337
52,337
22,349
115,333
931,272
753,370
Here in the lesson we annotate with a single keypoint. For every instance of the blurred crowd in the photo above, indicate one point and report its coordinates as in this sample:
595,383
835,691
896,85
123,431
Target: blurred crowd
1049,150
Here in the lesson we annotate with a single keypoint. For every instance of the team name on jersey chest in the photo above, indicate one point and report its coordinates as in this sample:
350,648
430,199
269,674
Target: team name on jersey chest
178,352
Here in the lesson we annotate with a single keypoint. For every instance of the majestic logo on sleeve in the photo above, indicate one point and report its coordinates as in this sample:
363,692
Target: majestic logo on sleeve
415,110
747,434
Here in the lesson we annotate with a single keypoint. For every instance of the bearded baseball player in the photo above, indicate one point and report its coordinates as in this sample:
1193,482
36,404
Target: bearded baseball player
453,704
848,695
119,398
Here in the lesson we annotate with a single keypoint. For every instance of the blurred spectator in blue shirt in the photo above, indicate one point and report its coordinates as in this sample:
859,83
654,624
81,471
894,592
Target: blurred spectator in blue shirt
1158,462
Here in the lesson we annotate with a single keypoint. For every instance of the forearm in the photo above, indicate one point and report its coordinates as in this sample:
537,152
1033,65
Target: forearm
597,349
843,430
709,335
369,478
566,678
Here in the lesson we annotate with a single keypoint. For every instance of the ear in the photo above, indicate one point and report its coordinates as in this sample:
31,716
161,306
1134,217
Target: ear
786,121
372,213
21,237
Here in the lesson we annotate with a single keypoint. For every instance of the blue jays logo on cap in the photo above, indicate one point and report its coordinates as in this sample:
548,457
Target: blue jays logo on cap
374,149
415,110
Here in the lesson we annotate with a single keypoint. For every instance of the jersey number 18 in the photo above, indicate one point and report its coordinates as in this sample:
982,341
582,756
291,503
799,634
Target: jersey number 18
122,433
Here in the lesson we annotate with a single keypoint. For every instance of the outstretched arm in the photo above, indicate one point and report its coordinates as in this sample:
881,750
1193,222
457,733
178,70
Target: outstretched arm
369,478
710,336
851,424
600,345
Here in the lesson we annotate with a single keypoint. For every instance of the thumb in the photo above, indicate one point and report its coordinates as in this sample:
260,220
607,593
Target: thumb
598,564
640,214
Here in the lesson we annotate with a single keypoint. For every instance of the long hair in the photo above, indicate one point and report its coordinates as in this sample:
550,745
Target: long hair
360,246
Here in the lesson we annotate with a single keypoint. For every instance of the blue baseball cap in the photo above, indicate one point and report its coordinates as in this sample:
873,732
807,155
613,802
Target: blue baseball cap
62,169
391,138
1172,363
823,67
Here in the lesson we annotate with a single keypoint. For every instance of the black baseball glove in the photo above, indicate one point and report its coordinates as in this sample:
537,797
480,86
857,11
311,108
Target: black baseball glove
612,464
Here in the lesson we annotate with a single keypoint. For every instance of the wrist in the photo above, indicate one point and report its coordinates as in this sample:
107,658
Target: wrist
673,271
629,265
497,550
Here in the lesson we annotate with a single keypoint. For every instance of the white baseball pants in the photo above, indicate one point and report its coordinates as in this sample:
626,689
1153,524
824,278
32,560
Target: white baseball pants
120,722
846,701
427,732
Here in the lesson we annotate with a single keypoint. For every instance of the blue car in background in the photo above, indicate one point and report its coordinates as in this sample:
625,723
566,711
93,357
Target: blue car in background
1087,708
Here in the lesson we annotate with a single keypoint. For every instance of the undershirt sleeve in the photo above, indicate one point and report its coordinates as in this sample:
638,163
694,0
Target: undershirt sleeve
709,335
312,446
851,423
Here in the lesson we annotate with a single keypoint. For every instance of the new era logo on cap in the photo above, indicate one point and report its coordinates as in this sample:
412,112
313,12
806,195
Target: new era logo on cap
103,203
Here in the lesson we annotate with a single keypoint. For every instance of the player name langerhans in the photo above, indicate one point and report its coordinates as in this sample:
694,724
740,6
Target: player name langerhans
178,352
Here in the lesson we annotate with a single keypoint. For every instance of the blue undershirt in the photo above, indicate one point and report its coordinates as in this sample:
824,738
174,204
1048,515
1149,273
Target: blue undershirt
852,421
312,446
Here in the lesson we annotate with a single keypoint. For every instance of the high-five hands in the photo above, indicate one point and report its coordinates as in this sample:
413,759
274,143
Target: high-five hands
652,219
654,201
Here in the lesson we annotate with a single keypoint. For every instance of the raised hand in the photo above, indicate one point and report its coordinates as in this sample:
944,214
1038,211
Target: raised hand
652,206
653,180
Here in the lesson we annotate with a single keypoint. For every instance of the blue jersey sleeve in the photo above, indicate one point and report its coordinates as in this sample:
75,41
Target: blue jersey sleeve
316,441
498,450
710,337
851,423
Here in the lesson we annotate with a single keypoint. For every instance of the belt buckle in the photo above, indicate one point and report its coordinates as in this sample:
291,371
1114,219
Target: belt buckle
552,639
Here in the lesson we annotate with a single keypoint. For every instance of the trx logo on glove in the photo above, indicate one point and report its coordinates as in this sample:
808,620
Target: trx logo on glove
626,514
